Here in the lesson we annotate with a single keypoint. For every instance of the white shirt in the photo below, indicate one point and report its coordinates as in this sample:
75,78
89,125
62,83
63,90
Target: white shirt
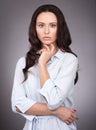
58,91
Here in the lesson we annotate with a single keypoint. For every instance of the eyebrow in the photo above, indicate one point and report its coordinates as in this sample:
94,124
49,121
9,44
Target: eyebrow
44,23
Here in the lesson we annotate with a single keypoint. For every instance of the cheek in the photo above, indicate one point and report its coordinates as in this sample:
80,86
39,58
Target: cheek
55,34
38,33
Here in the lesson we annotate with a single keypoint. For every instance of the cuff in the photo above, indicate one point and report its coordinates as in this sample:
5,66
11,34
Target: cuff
52,94
24,107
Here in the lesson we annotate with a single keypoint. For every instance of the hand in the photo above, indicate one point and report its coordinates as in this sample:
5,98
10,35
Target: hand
66,114
46,53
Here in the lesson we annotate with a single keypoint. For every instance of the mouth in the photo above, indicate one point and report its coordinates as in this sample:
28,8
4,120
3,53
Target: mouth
46,38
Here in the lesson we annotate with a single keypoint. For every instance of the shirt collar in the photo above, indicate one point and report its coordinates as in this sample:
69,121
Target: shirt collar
57,55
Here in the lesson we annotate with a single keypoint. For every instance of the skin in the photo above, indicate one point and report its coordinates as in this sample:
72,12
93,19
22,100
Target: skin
46,28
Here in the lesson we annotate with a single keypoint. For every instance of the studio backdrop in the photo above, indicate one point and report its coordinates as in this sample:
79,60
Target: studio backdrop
15,16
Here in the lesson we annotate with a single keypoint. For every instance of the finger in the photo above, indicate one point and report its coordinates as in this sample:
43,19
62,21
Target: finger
74,110
46,47
67,122
40,52
52,47
74,116
70,120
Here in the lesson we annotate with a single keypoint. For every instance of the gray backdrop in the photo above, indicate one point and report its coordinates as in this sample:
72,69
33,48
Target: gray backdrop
15,16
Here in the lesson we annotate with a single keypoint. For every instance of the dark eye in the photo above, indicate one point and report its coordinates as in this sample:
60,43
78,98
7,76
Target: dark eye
52,25
41,25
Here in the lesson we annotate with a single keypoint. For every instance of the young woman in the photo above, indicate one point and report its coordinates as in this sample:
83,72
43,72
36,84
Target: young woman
44,79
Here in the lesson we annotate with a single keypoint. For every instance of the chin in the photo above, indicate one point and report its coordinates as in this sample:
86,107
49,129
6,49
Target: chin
47,43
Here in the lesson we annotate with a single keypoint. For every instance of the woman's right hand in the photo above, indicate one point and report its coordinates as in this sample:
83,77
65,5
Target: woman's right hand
66,114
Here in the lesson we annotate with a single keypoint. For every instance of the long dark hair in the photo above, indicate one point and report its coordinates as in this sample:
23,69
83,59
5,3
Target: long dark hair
63,37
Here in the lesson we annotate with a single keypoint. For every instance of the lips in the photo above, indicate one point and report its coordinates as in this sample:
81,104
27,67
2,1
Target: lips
46,38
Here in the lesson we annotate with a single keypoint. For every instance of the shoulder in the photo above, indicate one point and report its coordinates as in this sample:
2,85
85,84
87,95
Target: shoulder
21,62
70,58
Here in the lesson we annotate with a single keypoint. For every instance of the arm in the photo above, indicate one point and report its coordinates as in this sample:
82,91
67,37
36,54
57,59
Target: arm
19,99
20,102
28,107
56,90
46,54
37,109
65,114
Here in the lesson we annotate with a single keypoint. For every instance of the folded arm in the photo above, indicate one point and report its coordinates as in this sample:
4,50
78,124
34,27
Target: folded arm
28,107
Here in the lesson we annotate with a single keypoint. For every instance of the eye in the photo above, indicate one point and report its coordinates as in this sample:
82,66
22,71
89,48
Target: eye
53,25
41,25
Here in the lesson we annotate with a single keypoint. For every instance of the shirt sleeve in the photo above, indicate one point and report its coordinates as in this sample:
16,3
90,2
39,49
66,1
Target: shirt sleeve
19,98
55,91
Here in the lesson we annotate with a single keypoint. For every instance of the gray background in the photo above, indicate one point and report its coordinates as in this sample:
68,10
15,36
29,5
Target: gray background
15,16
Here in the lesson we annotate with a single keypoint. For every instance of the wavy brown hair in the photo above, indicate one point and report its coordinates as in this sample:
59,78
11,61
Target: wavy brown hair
63,37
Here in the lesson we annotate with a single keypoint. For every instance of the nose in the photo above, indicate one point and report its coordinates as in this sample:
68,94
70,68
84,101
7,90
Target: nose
46,30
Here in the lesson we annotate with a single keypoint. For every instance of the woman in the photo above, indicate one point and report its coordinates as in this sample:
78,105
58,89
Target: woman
44,79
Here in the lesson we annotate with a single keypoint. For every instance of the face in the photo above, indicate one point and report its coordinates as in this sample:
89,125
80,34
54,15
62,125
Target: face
46,28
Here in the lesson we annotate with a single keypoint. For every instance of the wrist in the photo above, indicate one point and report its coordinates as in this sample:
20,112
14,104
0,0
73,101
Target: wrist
54,112
42,64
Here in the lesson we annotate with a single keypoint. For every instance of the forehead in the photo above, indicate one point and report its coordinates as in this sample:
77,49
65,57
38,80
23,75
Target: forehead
46,17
